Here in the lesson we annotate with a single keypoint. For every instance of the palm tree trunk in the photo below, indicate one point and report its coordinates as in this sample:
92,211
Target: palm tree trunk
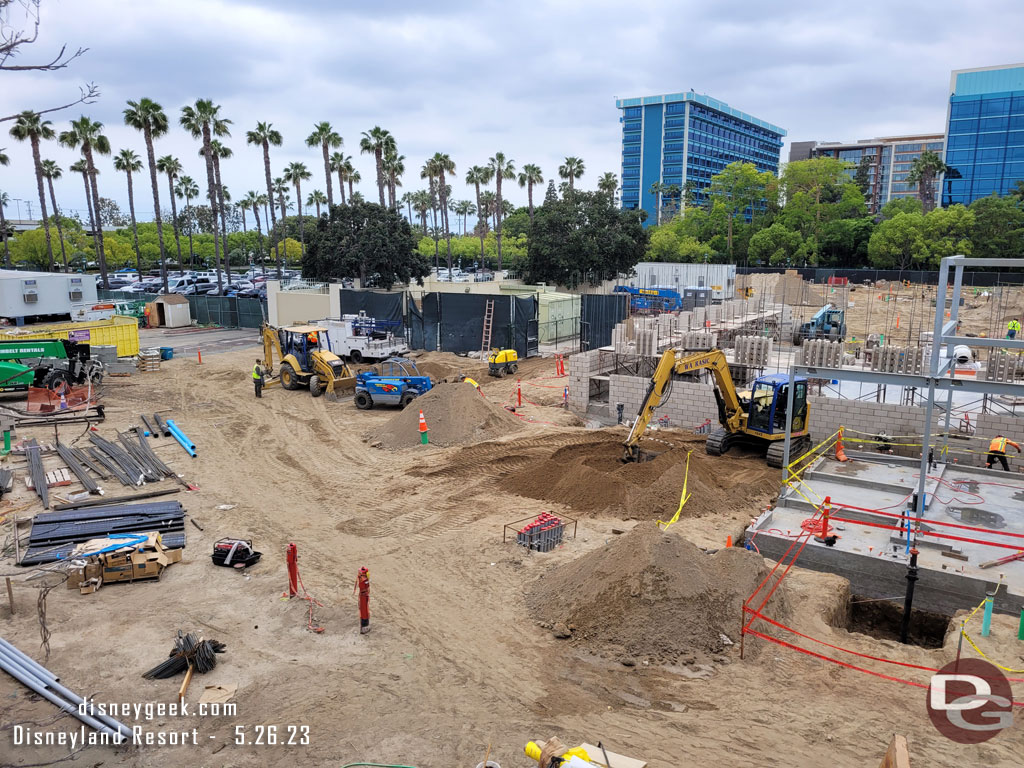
259,229
341,186
378,157
302,226
88,205
3,234
480,218
497,215
98,222
223,218
443,190
135,227
351,193
284,215
529,196
151,158
60,229
327,174
191,251
270,197
42,195
408,202
211,193
174,218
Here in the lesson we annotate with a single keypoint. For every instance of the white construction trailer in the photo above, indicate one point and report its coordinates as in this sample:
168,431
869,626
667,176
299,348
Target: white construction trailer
26,295
720,278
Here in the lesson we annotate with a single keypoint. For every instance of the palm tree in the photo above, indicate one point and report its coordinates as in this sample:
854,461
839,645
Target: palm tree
296,173
658,190
147,116
252,201
529,176
326,138
265,135
476,176
607,184
353,177
376,142
317,198
429,172
128,163
488,207
32,128
88,134
82,167
463,208
338,160
170,165
502,169
421,204
571,169
52,171
4,200
923,172
394,167
203,121
187,188
444,164
280,190
221,151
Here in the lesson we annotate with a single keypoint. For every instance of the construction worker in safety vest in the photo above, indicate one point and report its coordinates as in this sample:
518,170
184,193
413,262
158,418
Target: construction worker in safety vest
363,587
1012,328
312,338
997,452
257,378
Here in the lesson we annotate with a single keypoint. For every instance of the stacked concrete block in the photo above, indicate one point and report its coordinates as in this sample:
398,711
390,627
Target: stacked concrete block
753,350
699,340
581,367
898,360
1003,366
688,405
820,353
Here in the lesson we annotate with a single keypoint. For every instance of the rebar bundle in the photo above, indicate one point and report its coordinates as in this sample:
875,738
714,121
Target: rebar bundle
189,650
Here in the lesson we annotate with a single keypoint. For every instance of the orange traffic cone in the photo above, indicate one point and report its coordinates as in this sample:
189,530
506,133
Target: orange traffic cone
840,452
423,430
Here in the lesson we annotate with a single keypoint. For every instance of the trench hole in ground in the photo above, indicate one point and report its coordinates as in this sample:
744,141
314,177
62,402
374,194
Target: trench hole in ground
883,619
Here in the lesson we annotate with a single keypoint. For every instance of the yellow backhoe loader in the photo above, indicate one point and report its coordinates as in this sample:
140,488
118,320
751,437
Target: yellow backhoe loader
303,362
757,418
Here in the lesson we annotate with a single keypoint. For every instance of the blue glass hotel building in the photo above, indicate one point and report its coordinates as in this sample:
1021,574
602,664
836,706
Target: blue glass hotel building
985,133
687,137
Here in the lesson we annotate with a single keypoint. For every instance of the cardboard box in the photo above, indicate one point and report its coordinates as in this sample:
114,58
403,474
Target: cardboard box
132,562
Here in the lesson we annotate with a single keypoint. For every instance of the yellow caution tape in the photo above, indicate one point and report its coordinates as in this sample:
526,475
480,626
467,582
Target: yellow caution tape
683,498
981,653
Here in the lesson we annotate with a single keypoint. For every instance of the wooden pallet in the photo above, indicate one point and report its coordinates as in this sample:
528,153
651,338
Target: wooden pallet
54,478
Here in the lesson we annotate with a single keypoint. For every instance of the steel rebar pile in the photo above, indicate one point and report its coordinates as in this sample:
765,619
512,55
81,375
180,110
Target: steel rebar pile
80,470
124,460
36,471
86,460
111,466
188,651
37,678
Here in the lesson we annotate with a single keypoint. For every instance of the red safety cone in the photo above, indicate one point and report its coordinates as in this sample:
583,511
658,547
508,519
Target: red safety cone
424,440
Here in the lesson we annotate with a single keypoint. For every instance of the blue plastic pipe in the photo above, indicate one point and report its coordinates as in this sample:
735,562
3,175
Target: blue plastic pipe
182,437
986,621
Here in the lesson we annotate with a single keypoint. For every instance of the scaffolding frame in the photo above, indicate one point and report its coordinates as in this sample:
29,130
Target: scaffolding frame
941,371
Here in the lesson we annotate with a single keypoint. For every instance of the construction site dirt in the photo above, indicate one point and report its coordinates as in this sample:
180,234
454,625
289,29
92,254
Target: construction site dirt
463,656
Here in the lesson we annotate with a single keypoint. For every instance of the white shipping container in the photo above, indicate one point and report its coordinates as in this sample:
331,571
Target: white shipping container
720,278
34,294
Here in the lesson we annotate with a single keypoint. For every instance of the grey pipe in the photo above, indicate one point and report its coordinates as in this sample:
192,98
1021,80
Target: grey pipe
39,669
34,683
72,697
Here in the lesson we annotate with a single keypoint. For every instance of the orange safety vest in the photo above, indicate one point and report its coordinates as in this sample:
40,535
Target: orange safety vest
1000,443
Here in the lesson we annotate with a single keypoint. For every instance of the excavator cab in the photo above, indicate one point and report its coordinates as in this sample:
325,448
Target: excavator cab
769,397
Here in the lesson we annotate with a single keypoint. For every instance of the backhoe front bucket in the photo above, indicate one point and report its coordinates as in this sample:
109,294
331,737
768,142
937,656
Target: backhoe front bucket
338,387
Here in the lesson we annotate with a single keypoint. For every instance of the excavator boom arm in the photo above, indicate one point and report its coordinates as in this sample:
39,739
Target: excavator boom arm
713,361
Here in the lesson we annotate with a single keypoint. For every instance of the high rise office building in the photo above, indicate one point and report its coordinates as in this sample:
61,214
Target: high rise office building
681,140
985,133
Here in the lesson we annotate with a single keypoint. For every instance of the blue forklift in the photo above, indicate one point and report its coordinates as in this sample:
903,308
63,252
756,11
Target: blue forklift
829,322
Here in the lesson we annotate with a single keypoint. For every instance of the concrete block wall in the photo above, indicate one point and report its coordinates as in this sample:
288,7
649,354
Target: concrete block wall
688,405
581,367
989,425
864,419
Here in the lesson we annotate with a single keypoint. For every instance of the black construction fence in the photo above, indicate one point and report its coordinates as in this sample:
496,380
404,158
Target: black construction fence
975,277
599,314
454,322
227,311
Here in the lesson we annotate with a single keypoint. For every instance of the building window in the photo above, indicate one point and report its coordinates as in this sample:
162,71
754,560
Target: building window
633,111
992,107
960,109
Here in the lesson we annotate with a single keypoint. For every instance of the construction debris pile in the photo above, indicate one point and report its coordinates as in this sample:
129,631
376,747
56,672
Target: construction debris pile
188,651
456,414
652,594
590,477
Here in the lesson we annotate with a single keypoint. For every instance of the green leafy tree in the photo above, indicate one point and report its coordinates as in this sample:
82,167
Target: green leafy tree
570,170
29,126
265,136
739,187
844,242
502,168
171,166
128,162
147,116
671,243
88,135
203,121
376,142
583,239
899,242
948,231
924,170
998,227
901,205
365,241
774,245
325,137
528,177
862,176
51,172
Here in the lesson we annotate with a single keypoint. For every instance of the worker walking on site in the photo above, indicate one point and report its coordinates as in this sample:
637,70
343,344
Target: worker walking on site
363,587
257,378
1012,328
997,451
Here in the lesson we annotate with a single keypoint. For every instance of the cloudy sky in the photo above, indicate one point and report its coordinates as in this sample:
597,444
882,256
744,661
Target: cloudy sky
536,80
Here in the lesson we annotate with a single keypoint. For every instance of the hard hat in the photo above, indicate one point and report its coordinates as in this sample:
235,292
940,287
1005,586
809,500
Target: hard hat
364,570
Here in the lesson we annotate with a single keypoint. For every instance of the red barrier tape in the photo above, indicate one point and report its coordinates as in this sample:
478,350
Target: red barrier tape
836,505
933,534
783,576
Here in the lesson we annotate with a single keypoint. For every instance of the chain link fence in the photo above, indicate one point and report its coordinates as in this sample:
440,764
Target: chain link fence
225,311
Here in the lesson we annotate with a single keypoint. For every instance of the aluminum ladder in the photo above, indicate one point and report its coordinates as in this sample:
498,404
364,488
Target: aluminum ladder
485,341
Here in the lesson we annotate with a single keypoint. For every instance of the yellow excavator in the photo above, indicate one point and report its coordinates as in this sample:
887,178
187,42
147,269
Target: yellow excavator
304,361
756,418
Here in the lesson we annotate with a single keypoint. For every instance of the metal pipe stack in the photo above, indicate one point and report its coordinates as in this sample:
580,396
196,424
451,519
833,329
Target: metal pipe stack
39,679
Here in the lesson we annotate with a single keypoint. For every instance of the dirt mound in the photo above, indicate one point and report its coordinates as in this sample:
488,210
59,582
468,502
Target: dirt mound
590,477
456,414
654,594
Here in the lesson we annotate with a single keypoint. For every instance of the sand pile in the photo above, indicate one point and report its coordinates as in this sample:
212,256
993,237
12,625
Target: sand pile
653,594
456,414
590,477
